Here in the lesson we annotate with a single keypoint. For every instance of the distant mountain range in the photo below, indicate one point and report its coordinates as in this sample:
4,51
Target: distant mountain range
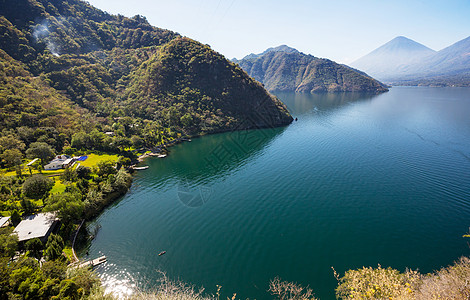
405,62
286,69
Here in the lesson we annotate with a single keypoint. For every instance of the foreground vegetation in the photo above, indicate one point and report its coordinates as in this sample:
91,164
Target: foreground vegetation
84,194
366,283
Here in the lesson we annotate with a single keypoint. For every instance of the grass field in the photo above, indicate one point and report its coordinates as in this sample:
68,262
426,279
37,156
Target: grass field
94,159
59,187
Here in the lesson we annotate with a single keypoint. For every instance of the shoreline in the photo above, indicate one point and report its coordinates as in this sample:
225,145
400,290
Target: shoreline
155,152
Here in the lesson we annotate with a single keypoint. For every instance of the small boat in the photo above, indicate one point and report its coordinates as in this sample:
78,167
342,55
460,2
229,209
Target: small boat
161,253
141,168
161,155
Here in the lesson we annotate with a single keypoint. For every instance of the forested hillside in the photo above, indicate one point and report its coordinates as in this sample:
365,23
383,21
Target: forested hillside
285,69
70,68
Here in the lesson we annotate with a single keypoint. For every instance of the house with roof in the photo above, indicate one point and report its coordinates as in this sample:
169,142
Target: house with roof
60,162
4,221
39,226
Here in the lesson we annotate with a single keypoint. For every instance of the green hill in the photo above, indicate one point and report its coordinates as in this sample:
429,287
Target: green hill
281,70
72,68
170,85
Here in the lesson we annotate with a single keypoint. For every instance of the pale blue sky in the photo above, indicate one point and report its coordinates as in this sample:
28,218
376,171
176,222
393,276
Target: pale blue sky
341,30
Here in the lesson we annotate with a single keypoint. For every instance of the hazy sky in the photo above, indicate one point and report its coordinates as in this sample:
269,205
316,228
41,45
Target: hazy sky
341,30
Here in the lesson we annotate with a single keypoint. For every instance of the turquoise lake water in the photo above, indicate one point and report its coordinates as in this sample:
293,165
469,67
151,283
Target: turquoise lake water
357,181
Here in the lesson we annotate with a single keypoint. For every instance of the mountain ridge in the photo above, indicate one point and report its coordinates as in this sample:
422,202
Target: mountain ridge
280,48
279,70
447,67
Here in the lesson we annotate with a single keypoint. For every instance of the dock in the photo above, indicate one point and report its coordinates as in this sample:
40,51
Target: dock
93,263
140,168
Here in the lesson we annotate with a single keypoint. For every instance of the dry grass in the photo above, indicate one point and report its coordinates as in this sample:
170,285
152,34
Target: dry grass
451,282
172,290
284,290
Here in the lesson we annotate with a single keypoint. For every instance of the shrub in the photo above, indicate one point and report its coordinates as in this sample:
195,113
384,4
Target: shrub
37,186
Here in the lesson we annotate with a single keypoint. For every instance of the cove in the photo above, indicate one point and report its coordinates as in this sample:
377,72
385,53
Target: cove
358,180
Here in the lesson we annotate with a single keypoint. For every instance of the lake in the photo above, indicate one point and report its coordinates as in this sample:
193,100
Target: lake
358,180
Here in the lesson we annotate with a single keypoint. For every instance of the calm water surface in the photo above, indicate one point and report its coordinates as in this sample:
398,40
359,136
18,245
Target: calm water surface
357,181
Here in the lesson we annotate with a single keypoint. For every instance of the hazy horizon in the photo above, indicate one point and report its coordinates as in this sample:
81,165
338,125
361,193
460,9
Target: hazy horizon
339,30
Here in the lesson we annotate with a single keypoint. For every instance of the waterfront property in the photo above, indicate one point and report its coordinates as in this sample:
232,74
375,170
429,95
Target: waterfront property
60,162
36,226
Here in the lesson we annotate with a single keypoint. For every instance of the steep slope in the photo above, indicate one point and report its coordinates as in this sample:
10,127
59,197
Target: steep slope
76,27
192,84
80,71
295,71
393,58
29,101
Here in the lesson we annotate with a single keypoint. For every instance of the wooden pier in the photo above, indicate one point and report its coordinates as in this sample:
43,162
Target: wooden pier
93,263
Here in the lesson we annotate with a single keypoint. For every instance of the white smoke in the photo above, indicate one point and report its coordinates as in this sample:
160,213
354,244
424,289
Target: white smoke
41,32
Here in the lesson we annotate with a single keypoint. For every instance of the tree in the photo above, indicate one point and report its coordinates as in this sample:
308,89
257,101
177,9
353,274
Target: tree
68,205
69,290
34,246
15,218
137,141
80,140
27,205
124,161
37,186
187,120
105,168
12,157
8,242
69,175
54,247
83,172
85,278
41,150
11,142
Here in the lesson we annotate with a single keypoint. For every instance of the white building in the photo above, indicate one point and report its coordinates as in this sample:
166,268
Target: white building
59,162
4,221
36,226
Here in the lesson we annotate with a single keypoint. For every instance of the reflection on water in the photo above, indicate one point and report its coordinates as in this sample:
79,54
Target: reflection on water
305,103
117,281
213,157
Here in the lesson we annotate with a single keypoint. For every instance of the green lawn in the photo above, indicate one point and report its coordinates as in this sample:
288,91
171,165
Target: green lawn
34,171
94,159
59,187
68,252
